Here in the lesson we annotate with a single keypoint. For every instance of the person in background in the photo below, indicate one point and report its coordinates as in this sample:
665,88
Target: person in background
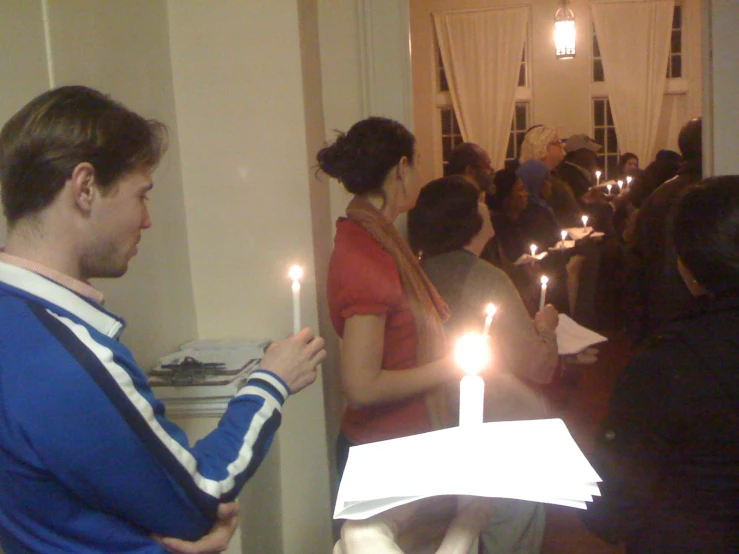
451,226
542,143
668,450
653,277
628,165
89,462
472,162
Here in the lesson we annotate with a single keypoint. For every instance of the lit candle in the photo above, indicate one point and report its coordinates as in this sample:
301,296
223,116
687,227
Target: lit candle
472,354
563,234
621,183
296,274
533,249
584,222
628,181
544,281
490,310
597,177
609,188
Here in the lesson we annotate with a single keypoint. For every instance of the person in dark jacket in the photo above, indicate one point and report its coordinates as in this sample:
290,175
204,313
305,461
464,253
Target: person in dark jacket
653,278
668,450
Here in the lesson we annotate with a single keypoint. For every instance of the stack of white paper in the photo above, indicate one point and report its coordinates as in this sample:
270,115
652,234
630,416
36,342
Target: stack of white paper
573,338
528,460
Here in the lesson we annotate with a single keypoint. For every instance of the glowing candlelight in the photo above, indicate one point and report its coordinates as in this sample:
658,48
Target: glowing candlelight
296,274
563,234
490,310
621,183
628,181
473,355
609,188
597,176
533,249
542,300
584,222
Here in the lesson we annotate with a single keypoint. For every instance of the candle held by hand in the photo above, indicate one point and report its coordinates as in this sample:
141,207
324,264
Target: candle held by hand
563,234
473,355
584,222
620,184
609,189
533,249
490,310
597,177
296,274
542,300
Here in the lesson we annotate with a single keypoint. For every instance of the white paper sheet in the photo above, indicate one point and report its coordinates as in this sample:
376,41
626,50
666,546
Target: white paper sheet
573,338
529,259
529,460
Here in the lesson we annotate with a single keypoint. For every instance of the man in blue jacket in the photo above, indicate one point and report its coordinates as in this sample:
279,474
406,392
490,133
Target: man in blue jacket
88,461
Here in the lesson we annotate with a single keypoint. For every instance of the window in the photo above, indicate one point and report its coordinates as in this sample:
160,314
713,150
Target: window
450,134
519,125
675,61
448,128
604,133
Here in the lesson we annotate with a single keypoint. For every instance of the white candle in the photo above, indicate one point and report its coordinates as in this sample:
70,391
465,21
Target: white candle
533,249
628,181
296,274
584,222
472,354
490,310
609,188
563,234
621,183
542,300
597,176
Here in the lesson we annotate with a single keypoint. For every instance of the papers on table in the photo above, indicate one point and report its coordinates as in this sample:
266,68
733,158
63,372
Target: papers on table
528,460
529,259
573,338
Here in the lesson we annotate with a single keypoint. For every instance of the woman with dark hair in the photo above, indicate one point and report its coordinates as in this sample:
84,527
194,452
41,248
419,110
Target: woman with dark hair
668,451
382,305
628,164
450,226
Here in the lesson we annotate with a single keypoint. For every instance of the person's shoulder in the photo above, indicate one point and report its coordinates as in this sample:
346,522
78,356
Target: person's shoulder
355,247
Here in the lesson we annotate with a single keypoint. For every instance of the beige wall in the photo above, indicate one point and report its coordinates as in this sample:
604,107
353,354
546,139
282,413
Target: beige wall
241,104
561,89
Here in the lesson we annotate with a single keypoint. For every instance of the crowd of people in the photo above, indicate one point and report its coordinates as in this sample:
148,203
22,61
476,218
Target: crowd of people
75,169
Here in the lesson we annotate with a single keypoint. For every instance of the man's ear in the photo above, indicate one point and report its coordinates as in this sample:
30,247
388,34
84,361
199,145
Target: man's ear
83,186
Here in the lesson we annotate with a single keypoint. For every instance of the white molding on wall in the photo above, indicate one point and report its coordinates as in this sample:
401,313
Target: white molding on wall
47,43
387,87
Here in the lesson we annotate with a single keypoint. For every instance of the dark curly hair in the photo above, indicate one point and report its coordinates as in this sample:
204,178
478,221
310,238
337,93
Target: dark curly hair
706,233
362,158
445,218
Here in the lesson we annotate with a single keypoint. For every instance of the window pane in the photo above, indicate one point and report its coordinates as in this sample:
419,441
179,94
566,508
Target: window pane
677,66
677,17
598,75
522,76
446,122
520,116
443,85
608,112
455,123
612,141
457,140
509,154
598,113
596,47
676,43
446,145
600,136
612,166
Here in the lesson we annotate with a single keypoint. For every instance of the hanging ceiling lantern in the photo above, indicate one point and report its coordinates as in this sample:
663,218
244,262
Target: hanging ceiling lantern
564,32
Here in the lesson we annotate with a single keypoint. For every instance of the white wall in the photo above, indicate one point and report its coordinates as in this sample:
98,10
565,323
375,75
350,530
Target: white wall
240,95
561,89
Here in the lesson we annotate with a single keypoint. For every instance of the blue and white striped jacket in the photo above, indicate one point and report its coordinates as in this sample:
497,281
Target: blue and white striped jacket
88,461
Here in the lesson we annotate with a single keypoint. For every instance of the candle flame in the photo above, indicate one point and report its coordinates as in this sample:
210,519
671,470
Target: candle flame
620,183
472,353
628,180
296,273
584,220
544,279
564,235
533,250
598,174
490,310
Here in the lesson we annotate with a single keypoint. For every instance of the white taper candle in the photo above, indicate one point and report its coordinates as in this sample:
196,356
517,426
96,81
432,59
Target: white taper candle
296,274
543,299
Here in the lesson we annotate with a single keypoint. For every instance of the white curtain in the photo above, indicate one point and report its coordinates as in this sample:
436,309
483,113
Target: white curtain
634,39
481,51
